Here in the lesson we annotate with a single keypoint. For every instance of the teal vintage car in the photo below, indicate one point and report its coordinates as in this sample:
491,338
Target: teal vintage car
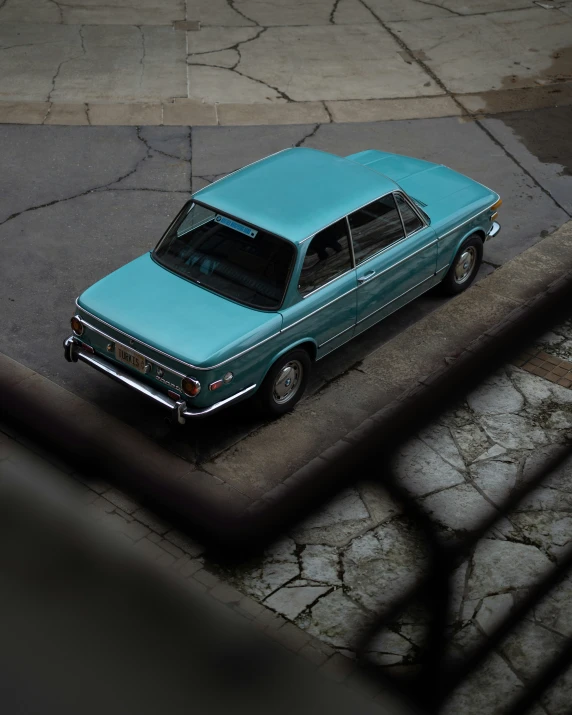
274,266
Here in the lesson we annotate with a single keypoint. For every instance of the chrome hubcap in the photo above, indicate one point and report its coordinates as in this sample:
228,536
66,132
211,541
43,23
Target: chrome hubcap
465,264
287,382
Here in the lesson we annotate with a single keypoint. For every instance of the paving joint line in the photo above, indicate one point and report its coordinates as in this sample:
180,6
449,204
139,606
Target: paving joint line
492,137
464,111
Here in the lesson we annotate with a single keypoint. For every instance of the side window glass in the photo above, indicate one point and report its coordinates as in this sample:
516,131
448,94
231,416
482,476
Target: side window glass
410,218
375,227
328,256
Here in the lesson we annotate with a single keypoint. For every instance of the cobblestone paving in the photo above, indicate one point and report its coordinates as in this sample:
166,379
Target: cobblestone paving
316,588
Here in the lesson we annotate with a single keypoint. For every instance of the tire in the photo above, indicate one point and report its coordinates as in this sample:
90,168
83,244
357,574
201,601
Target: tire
284,383
465,266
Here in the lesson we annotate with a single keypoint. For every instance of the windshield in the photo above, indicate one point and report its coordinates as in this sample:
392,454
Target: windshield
229,257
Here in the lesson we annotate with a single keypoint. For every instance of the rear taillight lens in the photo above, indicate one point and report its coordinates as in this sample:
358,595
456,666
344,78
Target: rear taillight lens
191,386
76,325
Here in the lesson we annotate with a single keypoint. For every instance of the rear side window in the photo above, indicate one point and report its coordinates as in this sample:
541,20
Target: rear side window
374,227
411,220
327,257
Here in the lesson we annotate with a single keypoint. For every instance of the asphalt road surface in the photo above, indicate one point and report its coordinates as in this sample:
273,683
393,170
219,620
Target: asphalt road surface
78,202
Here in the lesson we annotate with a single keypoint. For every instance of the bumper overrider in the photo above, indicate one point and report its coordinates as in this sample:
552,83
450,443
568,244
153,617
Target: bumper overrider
75,350
494,229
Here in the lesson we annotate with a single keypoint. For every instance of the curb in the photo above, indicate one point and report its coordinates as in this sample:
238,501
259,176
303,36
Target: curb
219,514
193,112
478,345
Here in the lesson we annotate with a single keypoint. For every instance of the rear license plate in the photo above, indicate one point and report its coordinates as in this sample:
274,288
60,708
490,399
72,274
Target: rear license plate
129,357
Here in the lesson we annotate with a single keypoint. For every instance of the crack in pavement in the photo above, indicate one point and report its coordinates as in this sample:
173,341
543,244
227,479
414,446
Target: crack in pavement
236,47
144,52
86,105
47,114
63,62
279,92
333,12
26,44
60,11
491,136
464,112
81,193
305,138
230,3
231,47
440,7
211,178
151,148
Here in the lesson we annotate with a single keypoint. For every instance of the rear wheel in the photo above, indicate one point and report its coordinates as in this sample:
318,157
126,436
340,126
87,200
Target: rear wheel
285,383
465,266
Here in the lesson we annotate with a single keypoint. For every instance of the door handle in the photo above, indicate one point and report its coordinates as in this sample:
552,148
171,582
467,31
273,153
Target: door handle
366,276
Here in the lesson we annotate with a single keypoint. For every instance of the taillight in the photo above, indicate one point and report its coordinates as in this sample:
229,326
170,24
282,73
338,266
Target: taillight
76,325
191,386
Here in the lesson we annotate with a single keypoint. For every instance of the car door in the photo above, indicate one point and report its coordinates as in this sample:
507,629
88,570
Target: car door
326,283
395,255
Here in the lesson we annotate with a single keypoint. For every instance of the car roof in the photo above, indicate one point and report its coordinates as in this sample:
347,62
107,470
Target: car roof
296,192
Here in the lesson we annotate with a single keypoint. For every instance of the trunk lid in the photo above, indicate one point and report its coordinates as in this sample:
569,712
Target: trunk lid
440,191
173,315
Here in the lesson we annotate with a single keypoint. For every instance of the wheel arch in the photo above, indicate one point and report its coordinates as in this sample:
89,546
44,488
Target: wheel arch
304,343
478,231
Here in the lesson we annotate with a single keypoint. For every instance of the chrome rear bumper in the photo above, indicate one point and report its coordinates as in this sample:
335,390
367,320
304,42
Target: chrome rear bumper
494,229
74,351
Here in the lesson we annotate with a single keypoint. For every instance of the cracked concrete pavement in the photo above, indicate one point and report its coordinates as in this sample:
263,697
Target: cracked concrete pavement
328,576
208,62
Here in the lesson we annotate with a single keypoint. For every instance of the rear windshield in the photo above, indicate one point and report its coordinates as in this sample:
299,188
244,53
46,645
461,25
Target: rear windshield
229,257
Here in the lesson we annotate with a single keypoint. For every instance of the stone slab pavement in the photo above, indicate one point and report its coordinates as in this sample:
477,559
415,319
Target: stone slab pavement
321,583
231,62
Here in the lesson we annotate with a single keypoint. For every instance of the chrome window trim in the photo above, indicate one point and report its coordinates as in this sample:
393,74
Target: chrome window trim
394,265
297,322
181,362
340,218
397,298
326,284
352,259
394,194
329,340
408,201
390,193
350,239
461,224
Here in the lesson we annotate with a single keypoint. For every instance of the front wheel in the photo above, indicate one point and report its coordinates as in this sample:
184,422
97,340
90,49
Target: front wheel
465,266
284,384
